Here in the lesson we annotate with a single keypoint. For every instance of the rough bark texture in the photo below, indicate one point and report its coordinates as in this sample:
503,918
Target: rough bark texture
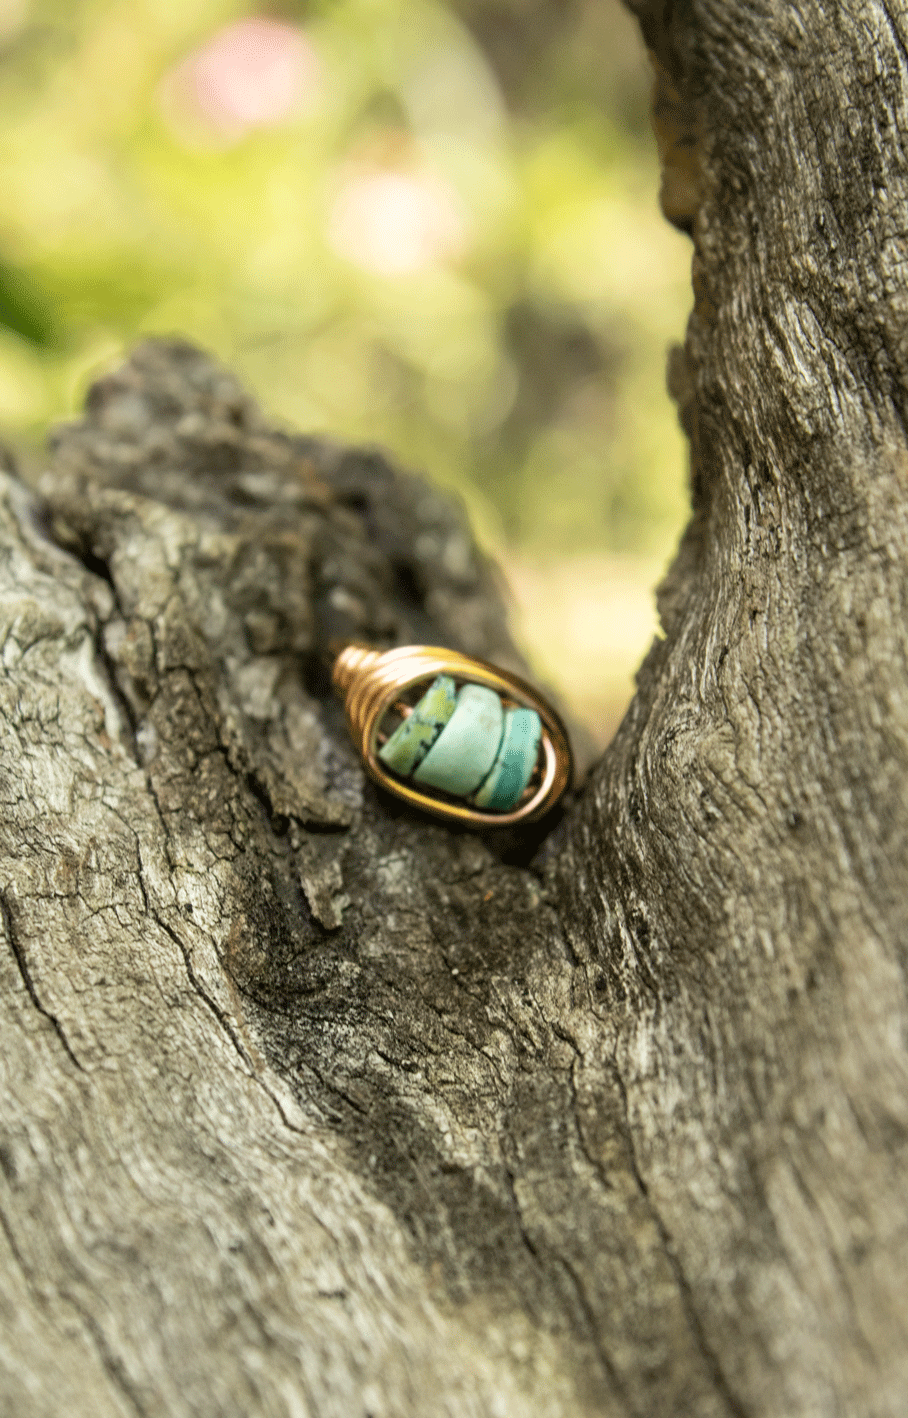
311,1107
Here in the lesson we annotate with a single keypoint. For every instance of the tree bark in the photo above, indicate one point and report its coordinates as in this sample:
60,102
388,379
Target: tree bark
313,1107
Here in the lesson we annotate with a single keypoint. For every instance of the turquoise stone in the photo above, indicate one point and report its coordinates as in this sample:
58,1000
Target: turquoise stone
514,763
412,739
466,748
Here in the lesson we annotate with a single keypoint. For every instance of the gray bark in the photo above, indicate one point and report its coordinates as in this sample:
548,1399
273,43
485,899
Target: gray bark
312,1107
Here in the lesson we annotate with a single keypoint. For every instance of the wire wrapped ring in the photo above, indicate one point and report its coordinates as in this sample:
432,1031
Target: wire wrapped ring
489,754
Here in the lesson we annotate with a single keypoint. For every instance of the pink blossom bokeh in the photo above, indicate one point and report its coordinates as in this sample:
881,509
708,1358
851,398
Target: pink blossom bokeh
254,73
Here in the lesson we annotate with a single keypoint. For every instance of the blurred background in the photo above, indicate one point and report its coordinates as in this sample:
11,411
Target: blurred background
432,226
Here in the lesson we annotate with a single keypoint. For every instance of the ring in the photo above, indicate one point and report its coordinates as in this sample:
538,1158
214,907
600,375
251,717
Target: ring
453,736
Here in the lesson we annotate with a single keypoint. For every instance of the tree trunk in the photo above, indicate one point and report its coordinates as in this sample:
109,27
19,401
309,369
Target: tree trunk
313,1107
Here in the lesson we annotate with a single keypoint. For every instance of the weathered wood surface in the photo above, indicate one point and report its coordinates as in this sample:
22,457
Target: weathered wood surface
310,1107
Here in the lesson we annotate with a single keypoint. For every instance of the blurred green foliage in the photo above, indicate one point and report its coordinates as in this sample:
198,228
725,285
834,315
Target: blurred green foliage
431,226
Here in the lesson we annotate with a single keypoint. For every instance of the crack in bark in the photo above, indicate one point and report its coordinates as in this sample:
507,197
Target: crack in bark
110,1362
111,1365
100,567
19,956
594,1330
837,1265
219,1014
106,662
17,1255
604,1359
222,1018
736,1407
896,32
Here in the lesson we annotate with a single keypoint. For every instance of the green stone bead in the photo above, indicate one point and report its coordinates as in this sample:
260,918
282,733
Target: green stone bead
514,763
465,749
412,739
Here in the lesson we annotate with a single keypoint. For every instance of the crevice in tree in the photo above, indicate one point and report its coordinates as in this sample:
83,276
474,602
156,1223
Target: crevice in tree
223,1020
14,1248
112,1365
736,1407
23,967
594,1331
278,822
215,1009
900,44
844,1281
99,567
106,662
203,994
